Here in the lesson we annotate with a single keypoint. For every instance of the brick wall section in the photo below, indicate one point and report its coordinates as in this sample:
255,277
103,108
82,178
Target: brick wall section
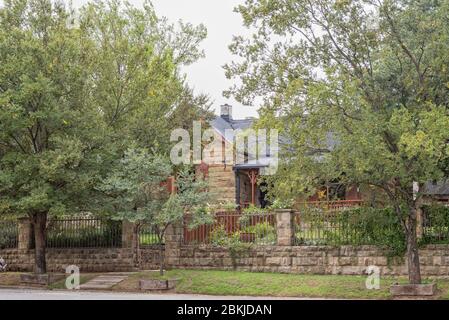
346,260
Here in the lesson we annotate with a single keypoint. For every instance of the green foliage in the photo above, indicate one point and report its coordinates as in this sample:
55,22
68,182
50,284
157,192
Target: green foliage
77,88
265,233
252,209
219,236
50,136
372,114
134,188
229,206
232,242
282,204
361,226
357,88
249,212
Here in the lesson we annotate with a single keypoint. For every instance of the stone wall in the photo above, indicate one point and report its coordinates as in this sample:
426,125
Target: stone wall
221,180
89,260
149,257
345,260
283,257
17,259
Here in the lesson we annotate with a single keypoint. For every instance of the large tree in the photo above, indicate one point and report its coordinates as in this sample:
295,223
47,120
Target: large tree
361,90
138,78
47,131
76,89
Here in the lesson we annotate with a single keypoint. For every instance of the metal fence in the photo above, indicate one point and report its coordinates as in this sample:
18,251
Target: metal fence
149,235
326,223
84,233
9,234
249,228
436,223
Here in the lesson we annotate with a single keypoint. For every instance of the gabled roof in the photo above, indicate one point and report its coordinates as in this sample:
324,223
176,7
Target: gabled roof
221,125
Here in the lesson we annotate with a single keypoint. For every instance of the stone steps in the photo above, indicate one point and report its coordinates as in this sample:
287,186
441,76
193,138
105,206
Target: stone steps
104,282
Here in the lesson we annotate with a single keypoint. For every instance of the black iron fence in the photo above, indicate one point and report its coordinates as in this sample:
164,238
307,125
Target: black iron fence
84,233
149,235
436,223
347,226
9,234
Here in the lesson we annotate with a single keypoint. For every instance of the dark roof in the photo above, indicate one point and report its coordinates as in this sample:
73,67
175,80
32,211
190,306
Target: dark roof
437,189
221,125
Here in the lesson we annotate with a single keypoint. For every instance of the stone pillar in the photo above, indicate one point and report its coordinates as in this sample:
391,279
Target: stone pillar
173,241
128,234
25,234
285,227
130,240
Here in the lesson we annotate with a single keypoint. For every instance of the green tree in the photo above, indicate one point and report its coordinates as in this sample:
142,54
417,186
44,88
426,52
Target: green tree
360,90
47,133
137,72
191,198
76,89
136,193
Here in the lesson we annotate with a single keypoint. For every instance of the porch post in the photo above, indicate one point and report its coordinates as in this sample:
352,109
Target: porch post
252,174
237,187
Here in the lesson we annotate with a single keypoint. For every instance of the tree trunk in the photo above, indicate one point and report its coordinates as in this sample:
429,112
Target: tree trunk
414,270
161,259
39,227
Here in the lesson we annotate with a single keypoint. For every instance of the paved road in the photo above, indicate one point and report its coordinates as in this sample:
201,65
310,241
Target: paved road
31,294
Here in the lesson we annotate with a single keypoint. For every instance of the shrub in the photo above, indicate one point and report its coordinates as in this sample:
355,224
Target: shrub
219,236
265,232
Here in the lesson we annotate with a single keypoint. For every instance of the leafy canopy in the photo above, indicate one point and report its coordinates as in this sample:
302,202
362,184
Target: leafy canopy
77,88
359,88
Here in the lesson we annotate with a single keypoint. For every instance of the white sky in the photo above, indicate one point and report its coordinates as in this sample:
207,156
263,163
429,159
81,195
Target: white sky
207,75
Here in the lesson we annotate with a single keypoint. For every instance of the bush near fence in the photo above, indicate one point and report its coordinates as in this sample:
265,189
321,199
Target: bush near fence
258,228
358,226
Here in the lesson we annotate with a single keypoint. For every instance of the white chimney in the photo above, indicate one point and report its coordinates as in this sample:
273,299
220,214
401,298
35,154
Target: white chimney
226,112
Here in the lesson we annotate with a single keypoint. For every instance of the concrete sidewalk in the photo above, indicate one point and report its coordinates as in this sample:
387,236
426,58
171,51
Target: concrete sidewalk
39,294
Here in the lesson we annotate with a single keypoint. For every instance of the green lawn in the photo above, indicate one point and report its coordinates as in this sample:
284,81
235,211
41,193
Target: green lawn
274,284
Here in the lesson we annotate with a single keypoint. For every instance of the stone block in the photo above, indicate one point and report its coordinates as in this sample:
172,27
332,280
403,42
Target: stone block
40,279
413,289
154,284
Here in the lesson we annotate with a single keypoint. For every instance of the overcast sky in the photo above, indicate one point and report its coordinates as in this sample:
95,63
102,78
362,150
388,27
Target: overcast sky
207,75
